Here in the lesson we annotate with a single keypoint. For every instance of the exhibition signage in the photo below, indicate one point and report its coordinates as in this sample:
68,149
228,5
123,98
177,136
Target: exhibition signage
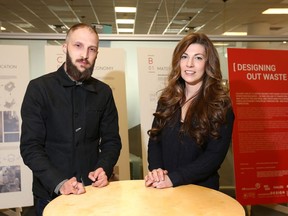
259,91
15,177
153,69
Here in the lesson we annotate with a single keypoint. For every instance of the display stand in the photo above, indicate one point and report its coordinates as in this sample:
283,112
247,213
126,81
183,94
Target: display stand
276,207
283,208
10,212
248,210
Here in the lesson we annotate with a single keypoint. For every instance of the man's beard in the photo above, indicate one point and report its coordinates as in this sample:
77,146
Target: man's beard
76,74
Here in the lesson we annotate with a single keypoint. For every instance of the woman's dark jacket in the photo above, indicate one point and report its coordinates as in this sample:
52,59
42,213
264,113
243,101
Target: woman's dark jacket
187,162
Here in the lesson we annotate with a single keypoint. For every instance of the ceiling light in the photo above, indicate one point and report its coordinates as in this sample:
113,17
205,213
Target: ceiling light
197,28
221,44
57,27
180,22
3,28
125,30
235,33
125,21
25,25
190,10
125,9
172,31
276,11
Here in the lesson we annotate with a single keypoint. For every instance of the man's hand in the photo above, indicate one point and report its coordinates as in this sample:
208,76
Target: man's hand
72,187
98,177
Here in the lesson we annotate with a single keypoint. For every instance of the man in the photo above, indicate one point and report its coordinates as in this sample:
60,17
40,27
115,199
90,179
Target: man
70,135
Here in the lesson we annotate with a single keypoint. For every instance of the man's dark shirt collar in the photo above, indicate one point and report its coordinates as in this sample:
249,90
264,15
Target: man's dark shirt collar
66,81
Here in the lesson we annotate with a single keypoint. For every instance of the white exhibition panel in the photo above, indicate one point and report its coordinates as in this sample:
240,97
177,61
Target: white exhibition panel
15,177
153,68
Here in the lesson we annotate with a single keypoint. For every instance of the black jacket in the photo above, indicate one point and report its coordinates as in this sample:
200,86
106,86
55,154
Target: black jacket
67,130
184,160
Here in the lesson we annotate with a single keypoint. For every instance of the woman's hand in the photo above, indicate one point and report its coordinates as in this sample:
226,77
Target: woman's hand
158,178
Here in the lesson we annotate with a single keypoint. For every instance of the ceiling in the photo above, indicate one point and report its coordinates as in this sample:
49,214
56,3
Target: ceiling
176,17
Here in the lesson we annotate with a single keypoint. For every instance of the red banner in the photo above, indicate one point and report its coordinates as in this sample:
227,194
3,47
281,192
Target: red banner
259,91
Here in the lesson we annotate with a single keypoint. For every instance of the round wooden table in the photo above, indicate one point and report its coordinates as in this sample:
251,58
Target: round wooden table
131,197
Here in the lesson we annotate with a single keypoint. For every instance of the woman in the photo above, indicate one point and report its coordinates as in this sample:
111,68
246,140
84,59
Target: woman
193,123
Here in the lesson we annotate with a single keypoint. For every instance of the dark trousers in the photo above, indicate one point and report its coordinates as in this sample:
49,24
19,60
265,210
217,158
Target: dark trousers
40,204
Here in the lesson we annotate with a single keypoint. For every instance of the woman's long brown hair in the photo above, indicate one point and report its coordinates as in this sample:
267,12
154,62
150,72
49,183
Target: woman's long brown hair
208,109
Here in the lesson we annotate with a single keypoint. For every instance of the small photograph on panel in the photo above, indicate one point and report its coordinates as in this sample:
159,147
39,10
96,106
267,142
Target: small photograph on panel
11,126
10,179
7,100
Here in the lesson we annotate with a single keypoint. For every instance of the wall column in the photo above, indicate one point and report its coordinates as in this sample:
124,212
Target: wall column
261,28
